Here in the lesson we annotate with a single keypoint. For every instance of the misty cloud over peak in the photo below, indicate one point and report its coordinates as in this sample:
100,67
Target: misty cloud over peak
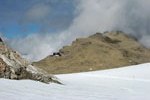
91,16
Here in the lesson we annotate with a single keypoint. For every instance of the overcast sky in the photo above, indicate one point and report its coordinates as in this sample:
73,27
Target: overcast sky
36,28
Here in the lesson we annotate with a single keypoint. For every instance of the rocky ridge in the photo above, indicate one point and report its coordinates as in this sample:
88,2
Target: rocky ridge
13,66
99,51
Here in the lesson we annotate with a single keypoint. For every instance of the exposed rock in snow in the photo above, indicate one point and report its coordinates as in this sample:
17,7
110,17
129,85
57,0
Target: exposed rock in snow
13,66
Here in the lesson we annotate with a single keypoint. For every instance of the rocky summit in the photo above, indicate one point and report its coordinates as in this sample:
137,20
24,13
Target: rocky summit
96,52
13,66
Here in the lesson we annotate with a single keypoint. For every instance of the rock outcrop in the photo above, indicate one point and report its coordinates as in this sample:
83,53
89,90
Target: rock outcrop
13,66
1,39
98,51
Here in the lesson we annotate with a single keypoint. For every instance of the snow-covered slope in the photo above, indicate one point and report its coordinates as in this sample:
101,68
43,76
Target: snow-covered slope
128,83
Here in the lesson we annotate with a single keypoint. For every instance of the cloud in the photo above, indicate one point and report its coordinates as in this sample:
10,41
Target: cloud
130,16
36,46
49,14
38,12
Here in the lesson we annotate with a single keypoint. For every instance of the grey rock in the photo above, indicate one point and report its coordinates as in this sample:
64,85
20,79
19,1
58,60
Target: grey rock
13,66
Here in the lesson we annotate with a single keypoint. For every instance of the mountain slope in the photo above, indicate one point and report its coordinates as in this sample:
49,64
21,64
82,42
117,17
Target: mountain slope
99,51
13,66
128,83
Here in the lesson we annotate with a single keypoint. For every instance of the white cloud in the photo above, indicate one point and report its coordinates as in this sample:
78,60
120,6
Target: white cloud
38,12
95,15
131,16
36,46
145,40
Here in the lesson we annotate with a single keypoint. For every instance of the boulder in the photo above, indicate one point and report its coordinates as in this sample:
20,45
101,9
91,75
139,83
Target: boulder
13,66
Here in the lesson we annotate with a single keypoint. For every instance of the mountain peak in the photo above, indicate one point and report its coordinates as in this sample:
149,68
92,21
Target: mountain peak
98,51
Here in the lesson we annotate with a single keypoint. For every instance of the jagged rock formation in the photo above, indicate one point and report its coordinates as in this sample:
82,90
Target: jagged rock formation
99,51
12,66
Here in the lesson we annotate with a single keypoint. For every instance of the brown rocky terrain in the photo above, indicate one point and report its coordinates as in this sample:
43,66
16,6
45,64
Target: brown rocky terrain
13,66
96,52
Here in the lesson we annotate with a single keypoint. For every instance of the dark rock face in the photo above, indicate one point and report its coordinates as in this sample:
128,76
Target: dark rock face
1,39
56,54
12,66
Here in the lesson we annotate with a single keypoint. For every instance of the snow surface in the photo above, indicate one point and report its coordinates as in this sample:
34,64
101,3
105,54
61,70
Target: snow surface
128,83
